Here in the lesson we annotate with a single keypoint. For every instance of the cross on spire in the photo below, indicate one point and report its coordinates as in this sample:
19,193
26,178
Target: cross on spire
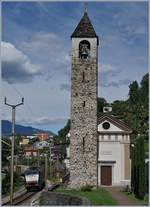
85,6
85,27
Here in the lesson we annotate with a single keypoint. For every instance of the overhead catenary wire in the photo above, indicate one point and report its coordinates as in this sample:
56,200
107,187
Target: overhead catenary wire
27,106
5,142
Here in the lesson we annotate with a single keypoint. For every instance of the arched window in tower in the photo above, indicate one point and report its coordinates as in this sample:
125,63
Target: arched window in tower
84,49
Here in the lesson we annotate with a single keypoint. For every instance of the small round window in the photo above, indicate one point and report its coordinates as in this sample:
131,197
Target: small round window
106,125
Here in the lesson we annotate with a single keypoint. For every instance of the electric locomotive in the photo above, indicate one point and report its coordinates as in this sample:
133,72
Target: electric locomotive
34,179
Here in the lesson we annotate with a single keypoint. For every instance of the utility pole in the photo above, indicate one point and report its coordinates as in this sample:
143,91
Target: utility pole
28,161
45,167
12,147
50,163
57,166
38,158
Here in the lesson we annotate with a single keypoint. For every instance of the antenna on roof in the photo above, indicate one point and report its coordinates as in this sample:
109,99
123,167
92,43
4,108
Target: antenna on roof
85,7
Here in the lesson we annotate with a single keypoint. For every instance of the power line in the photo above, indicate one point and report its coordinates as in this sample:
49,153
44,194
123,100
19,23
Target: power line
20,94
29,108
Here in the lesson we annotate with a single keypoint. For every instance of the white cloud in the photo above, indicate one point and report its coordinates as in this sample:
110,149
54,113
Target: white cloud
106,72
49,50
108,69
108,40
116,84
16,66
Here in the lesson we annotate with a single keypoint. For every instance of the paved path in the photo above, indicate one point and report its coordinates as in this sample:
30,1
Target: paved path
120,197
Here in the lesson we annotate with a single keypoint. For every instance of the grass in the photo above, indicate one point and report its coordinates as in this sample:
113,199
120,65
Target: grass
96,197
16,188
139,201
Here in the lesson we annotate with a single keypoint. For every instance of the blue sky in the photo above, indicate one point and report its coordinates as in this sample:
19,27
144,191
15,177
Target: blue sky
36,49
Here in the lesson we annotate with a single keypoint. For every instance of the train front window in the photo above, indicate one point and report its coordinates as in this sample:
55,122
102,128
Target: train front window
31,173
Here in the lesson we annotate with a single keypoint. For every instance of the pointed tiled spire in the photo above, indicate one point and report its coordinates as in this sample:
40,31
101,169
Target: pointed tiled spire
84,28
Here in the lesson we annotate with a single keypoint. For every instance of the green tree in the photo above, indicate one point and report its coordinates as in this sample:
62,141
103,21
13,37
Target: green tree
64,131
139,177
141,155
101,102
18,149
6,151
138,108
134,94
61,138
134,111
144,90
18,181
120,109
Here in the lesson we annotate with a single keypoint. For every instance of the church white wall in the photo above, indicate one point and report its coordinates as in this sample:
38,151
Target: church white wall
112,128
75,46
68,152
112,151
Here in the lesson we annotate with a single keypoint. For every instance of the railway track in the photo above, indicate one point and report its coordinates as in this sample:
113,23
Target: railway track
20,199
25,196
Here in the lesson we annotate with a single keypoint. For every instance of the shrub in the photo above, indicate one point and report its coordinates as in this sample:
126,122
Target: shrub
18,181
86,188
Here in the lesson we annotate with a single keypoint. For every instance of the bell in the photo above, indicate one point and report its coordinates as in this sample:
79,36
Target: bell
84,55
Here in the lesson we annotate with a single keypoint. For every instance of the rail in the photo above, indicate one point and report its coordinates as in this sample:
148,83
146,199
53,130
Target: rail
19,199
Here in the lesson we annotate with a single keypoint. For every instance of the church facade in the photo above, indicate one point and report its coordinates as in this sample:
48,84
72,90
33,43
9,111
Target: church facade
83,133
114,167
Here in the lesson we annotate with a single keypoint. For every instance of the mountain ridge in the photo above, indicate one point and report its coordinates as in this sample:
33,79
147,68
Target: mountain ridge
21,130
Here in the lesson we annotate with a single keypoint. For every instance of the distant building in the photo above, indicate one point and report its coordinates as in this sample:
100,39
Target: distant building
30,151
107,109
67,159
42,137
32,136
20,168
24,141
41,145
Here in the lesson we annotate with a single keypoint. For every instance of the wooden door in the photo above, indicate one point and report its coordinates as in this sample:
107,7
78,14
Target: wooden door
106,175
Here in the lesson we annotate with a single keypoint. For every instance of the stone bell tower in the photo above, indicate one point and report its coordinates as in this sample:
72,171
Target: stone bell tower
83,133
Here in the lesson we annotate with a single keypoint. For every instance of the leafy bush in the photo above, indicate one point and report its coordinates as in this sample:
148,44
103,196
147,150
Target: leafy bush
18,181
86,188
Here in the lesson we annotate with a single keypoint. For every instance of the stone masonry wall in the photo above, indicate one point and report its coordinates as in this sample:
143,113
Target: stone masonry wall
83,134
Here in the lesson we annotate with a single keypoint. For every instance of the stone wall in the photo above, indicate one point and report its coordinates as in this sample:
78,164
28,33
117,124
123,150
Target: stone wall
83,134
62,199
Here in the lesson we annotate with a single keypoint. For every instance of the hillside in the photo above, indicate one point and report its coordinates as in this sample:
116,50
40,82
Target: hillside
21,130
